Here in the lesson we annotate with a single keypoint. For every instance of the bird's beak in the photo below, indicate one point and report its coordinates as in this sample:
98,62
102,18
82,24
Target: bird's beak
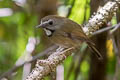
39,26
42,25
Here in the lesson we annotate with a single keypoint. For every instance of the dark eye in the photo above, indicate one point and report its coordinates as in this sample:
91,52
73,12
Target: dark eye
50,22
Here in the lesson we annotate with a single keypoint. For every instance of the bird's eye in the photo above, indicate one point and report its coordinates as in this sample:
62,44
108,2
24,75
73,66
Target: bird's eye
50,22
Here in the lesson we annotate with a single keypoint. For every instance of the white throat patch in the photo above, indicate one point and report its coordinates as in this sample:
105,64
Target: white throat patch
48,32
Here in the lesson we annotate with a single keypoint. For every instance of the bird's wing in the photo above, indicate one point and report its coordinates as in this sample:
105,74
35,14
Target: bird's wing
79,35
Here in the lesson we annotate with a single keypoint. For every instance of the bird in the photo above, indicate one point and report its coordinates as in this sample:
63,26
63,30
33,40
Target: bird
66,33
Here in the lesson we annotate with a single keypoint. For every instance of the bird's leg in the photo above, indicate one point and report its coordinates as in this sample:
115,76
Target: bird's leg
60,48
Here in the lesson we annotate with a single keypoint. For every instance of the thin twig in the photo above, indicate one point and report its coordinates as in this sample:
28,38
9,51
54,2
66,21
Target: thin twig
113,29
16,67
77,70
116,28
102,30
115,46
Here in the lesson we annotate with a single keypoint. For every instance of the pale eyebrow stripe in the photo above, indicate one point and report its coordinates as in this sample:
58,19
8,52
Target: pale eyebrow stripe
45,21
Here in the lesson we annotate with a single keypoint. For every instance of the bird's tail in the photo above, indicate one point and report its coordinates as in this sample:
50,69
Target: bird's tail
95,51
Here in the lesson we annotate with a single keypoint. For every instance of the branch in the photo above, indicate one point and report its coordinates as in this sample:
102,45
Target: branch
104,15
44,67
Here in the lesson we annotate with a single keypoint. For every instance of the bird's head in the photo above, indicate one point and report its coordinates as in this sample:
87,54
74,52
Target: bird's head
50,24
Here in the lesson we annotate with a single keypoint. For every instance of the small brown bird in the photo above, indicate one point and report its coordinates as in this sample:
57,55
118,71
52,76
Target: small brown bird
66,33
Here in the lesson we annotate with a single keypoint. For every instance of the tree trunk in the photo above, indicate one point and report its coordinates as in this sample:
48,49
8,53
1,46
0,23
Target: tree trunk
97,67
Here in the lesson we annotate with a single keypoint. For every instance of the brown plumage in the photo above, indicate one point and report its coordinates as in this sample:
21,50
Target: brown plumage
66,33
